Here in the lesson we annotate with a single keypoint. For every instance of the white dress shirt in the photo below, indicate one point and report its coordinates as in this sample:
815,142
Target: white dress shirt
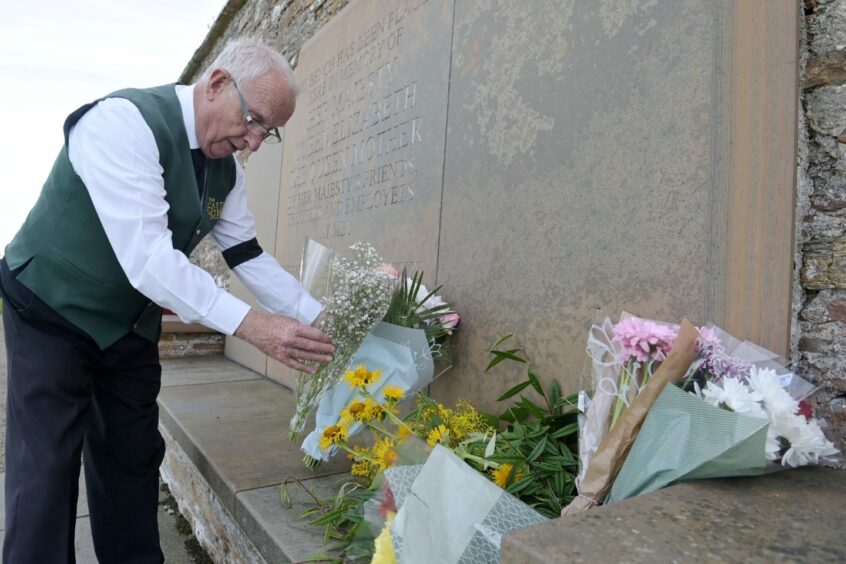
113,151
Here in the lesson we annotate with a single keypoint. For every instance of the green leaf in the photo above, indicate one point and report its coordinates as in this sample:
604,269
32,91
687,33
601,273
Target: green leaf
499,356
531,407
554,396
538,450
570,459
506,459
502,340
523,484
558,483
489,419
489,449
513,391
536,383
565,431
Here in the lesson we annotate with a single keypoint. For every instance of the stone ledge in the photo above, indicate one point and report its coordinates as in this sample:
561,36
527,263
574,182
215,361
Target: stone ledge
790,516
228,451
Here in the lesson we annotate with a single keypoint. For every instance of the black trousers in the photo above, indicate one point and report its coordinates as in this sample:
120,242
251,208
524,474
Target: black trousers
68,398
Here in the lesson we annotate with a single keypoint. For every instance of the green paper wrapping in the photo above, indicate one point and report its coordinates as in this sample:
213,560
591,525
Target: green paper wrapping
684,438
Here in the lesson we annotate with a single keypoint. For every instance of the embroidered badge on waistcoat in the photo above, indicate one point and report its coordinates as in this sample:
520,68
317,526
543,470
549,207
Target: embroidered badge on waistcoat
214,208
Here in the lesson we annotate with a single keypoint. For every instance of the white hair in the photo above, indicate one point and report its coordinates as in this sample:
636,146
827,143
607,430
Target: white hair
247,59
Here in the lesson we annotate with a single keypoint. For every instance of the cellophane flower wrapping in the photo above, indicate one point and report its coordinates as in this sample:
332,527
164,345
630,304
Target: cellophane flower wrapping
403,356
735,412
355,294
446,511
400,354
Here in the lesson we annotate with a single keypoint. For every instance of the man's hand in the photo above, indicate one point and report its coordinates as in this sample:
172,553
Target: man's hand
285,339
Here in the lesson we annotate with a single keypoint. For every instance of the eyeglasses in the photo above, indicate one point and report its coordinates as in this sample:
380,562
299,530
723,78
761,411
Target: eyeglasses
269,136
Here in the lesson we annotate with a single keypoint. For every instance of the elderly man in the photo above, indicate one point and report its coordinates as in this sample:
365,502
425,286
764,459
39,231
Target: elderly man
144,175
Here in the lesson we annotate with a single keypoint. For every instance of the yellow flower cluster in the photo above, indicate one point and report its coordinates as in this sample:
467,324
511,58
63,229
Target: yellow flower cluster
450,426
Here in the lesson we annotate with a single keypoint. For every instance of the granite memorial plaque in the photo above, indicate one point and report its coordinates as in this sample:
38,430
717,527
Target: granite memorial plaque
364,150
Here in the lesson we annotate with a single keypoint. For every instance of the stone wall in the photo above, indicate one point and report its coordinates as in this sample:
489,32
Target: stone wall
820,331
183,345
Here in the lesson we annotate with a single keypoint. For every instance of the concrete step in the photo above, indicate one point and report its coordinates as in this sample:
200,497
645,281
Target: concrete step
227,429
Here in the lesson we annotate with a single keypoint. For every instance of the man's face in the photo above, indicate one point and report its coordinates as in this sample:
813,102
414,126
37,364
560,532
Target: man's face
220,122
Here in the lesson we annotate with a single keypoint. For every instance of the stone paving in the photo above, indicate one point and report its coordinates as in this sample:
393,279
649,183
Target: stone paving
173,541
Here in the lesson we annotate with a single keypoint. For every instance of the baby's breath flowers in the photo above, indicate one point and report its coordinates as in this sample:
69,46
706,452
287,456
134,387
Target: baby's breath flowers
359,297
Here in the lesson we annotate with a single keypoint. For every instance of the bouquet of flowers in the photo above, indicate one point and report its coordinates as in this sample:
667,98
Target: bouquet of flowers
357,295
445,483
677,403
398,330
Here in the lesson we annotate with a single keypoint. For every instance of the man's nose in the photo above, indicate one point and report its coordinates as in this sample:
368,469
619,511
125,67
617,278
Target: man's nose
253,140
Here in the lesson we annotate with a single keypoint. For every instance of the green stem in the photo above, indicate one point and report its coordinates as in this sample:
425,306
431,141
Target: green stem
388,413
382,430
620,405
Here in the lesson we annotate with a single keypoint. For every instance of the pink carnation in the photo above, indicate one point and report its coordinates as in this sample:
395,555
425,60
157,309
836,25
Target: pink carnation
450,321
643,340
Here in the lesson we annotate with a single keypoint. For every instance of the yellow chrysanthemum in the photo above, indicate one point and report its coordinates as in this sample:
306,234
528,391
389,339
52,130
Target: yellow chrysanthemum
393,393
403,432
439,434
356,410
501,474
361,377
376,411
333,435
385,453
384,544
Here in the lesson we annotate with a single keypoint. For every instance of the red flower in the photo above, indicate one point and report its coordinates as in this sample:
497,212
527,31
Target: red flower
806,410
388,505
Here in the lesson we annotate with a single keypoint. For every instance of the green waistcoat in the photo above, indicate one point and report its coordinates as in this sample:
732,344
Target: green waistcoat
63,251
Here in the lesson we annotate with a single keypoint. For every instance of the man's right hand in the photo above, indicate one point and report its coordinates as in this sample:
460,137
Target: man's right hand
286,339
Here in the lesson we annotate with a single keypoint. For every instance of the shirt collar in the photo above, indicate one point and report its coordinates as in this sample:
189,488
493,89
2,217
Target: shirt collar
185,94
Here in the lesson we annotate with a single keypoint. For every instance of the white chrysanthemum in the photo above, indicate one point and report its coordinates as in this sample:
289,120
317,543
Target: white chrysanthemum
734,395
807,442
777,401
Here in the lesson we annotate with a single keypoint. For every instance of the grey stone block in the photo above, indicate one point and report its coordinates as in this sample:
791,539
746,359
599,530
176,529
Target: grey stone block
792,516
189,371
280,533
236,434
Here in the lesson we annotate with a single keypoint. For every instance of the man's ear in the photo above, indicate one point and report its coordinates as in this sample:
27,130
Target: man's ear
216,83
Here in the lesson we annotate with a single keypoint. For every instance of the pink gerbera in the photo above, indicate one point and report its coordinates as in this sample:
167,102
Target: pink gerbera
643,340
